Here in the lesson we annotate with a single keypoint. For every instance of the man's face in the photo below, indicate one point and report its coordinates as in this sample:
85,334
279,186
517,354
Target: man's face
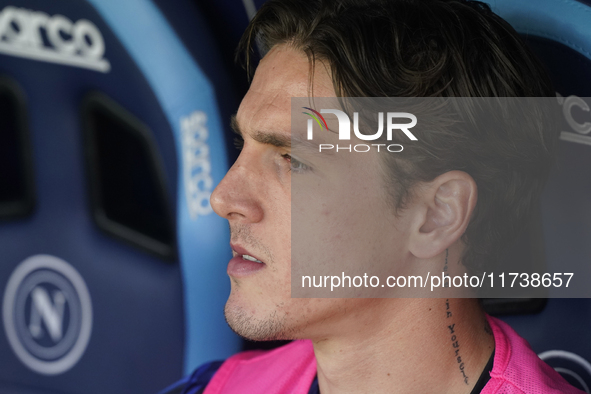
346,206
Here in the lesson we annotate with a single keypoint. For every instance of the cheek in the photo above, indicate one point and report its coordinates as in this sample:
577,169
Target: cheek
325,241
350,229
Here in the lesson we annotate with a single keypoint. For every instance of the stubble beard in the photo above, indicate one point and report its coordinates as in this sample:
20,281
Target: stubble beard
271,328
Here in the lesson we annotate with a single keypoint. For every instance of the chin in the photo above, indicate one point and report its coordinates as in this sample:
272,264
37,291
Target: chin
248,325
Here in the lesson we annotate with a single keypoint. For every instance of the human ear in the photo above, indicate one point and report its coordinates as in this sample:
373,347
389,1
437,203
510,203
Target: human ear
443,208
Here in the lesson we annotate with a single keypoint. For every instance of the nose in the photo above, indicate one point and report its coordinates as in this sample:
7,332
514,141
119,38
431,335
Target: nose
237,196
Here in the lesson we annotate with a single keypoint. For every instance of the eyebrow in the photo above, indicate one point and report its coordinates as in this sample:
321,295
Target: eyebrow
274,139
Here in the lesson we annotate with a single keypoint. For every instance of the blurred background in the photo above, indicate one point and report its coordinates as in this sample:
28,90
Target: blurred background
114,130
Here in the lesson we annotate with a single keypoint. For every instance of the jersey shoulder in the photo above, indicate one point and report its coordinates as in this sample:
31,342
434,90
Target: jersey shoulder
196,382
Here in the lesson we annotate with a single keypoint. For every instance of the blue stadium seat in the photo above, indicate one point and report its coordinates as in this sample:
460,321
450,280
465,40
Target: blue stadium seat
559,31
112,136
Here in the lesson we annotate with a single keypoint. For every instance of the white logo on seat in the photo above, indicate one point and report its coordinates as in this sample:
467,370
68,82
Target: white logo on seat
196,164
47,314
55,39
579,131
52,313
569,365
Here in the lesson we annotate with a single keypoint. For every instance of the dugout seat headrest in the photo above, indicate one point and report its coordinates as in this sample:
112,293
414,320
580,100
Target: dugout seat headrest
111,140
559,32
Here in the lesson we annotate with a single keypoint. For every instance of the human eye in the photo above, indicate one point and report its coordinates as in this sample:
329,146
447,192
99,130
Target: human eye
296,165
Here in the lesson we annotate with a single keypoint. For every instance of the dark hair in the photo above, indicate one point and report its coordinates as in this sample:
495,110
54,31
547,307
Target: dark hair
430,48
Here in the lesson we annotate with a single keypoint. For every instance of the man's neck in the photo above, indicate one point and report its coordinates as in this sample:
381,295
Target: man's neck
415,346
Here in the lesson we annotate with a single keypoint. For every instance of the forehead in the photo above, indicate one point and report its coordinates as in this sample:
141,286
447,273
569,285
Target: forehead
282,74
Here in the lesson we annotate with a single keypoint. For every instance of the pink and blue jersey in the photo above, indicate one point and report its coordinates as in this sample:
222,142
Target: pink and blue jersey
291,369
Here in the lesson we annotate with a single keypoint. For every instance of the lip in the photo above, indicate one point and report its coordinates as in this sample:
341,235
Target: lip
238,267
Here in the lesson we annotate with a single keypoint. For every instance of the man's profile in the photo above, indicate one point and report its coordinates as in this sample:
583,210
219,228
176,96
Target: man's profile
459,203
